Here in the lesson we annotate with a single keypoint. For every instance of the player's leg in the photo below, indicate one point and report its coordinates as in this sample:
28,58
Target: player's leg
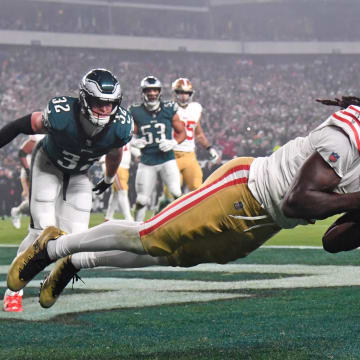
74,206
112,205
122,193
45,187
192,172
170,175
23,208
144,185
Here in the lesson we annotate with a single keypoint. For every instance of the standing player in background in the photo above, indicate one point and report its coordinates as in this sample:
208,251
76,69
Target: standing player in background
25,159
119,189
190,113
79,131
155,120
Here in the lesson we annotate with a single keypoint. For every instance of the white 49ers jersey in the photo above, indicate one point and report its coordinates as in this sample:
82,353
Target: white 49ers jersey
36,138
337,140
190,116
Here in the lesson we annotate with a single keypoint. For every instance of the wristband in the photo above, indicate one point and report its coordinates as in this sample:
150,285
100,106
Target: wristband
109,179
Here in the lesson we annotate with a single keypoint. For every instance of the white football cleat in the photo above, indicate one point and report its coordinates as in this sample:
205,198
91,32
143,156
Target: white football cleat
15,219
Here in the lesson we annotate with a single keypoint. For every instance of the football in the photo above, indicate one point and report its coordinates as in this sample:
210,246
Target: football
343,234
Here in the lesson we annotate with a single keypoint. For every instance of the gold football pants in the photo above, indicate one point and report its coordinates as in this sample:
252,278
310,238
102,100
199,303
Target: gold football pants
219,222
121,179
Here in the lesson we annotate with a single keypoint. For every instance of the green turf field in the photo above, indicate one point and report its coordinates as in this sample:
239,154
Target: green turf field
278,303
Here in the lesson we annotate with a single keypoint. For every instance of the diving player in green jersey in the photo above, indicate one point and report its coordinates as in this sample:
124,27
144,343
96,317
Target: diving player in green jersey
79,131
155,121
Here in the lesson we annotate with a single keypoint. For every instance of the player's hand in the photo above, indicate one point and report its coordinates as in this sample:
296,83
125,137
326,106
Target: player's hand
167,145
101,186
139,143
214,155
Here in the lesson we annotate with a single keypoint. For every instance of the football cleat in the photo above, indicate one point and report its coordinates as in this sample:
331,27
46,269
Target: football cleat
13,302
33,260
15,219
56,281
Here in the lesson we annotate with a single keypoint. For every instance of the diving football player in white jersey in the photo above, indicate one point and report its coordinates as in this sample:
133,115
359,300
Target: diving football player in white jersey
238,208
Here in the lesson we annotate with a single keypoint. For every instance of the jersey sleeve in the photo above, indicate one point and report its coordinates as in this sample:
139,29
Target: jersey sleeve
125,127
52,117
335,148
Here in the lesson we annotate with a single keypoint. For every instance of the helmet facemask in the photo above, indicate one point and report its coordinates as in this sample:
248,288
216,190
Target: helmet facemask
151,82
183,91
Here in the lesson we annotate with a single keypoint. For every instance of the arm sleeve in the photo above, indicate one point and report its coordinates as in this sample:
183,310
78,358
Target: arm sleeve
14,128
335,148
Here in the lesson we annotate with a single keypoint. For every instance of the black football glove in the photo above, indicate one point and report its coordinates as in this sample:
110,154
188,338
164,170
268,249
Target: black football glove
101,186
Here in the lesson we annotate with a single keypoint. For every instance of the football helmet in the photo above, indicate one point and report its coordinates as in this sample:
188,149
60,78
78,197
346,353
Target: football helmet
183,91
151,82
97,87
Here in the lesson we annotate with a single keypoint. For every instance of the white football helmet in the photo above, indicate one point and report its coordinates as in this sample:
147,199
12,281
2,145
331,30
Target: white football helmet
183,91
150,82
97,86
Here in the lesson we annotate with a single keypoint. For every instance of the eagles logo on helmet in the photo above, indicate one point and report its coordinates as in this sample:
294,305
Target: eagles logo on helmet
97,88
183,91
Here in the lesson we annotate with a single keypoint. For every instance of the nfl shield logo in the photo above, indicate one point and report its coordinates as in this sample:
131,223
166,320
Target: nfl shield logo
334,157
238,205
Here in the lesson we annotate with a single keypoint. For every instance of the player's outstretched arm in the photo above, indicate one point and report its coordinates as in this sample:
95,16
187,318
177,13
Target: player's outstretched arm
112,162
28,124
311,194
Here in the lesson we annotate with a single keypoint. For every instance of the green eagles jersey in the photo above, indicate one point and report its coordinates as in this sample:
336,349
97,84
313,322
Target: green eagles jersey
153,127
66,143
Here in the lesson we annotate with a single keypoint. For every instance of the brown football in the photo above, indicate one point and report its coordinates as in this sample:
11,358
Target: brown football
343,234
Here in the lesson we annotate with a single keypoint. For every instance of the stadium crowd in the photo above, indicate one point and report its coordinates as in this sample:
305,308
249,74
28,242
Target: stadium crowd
267,21
250,105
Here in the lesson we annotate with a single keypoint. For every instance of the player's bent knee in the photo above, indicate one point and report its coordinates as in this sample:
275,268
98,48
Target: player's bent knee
142,200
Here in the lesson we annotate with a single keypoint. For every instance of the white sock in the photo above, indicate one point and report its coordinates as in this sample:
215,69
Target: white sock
124,205
111,235
29,239
112,205
116,258
140,214
9,292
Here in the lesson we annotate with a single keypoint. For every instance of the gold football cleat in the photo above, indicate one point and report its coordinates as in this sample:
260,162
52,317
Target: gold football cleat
56,281
33,260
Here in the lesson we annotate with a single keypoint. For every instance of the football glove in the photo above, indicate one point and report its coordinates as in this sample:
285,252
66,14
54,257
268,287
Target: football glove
167,145
101,186
213,154
139,143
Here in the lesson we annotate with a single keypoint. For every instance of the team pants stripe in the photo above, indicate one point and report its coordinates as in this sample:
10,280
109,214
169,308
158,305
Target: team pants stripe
237,175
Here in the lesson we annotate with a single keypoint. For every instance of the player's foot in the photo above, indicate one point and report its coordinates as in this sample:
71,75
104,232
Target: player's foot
56,281
33,260
15,218
13,301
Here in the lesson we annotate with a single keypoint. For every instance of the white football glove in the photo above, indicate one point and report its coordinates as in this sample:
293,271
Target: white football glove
213,154
167,145
139,143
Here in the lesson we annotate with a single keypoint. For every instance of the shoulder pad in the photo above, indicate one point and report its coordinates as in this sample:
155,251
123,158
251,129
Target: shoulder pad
58,111
170,104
